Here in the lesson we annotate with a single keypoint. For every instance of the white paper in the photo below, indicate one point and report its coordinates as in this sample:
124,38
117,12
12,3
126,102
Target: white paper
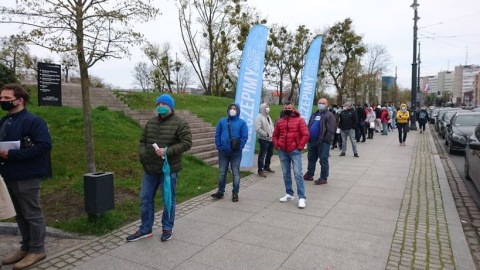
338,130
9,145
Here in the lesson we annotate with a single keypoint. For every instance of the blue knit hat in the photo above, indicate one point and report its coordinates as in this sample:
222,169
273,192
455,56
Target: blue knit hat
167,99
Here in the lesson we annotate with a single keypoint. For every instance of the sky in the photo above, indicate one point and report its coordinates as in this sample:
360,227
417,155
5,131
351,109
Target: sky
448,31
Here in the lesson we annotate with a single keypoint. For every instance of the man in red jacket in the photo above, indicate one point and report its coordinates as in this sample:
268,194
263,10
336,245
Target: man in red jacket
290,137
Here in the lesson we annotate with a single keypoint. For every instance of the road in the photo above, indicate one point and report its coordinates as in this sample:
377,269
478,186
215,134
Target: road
458,159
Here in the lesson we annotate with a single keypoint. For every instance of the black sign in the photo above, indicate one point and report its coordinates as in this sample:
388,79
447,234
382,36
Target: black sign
49,84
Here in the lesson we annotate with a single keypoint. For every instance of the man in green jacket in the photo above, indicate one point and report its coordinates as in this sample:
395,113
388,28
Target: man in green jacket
165,134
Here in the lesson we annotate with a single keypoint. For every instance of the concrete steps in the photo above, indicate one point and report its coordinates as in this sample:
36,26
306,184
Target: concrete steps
203,134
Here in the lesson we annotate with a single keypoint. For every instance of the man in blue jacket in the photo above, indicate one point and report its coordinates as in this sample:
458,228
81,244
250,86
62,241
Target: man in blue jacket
22,169
322,128
231,136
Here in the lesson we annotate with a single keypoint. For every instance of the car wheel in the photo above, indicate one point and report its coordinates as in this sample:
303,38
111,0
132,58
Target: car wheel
450,148
467,171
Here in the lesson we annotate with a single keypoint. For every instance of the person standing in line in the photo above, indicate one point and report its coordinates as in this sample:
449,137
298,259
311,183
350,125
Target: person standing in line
231,136
23,170
423,119
394,117
370,121
321,128
378,119
172,137
348,124
402,123
264,129
337,139
390,119
360,131
384,119
6,206
290,137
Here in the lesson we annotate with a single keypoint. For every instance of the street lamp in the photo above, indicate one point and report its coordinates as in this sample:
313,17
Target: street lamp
413,106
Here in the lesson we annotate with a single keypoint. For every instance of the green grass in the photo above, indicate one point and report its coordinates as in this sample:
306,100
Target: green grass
116,139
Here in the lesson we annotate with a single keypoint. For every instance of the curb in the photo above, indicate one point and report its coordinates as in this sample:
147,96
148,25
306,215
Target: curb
7,228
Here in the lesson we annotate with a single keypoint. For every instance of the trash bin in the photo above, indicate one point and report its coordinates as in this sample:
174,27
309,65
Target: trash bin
98,190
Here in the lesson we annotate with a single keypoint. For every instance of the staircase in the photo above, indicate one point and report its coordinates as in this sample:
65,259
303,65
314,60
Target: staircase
203,134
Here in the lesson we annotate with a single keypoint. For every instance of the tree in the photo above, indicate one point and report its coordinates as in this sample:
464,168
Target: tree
162,61
340,46
142,76
375,61
7,75
69,64
277,47
296,56
211,49
95,29
14,53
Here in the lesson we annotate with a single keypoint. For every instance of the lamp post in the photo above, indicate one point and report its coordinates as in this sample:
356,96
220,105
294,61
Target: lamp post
413,106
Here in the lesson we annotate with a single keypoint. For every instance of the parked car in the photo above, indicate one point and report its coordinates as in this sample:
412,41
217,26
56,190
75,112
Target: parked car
461,126
440,114
433,115
442,124
476,110
472,158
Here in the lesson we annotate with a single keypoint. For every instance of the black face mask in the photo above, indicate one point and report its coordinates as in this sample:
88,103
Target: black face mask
287,112
7,105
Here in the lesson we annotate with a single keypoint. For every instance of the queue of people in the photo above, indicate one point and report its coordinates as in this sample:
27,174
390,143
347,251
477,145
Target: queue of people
165,138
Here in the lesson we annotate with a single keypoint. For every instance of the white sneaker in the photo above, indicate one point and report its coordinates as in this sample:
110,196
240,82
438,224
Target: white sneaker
286,198
301,203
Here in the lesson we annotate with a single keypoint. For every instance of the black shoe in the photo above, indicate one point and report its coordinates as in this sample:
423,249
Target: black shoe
217,195
234,196
269,170
376,131
363,140
342,154
355,155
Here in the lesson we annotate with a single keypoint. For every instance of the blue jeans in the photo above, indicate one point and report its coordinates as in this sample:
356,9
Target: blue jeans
384,129
318,150
224,159
348,133
150,184
286,160
265,155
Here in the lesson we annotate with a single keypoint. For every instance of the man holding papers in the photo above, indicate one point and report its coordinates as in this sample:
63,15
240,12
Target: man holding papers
22,169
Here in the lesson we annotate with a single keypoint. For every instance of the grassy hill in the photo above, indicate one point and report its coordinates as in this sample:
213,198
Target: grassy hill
116,150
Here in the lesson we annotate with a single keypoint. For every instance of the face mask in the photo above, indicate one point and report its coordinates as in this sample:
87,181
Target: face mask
287,112
321,107
267,110
404,110
232,113
163,110
334,109
7,105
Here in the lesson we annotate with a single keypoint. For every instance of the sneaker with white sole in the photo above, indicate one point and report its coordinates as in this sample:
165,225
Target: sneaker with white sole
301,203
286,198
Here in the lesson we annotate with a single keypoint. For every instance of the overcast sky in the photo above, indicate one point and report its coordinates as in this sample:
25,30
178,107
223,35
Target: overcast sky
449,31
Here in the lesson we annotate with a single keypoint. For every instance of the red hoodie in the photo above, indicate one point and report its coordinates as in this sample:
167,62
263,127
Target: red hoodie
290,133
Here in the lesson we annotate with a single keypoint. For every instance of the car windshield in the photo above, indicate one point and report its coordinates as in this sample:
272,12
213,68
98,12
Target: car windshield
449,115
467,120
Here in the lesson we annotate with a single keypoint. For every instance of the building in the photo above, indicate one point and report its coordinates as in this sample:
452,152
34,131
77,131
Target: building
458,87
388,86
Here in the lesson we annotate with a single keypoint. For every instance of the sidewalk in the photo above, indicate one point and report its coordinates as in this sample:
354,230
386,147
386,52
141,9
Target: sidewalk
389,209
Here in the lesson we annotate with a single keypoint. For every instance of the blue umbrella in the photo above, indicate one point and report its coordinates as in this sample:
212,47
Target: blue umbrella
167,190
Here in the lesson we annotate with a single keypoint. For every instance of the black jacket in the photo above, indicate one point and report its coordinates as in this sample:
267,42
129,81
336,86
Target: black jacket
328,126
348,119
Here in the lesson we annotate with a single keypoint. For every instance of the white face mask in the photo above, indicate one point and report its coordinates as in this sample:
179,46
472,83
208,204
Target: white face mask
267,110
233,113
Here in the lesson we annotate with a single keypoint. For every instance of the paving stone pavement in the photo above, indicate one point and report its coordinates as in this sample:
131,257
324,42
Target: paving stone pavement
421,239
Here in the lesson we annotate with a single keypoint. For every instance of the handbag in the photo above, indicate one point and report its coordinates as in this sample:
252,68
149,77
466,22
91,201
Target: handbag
6,205
235,142
372,124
